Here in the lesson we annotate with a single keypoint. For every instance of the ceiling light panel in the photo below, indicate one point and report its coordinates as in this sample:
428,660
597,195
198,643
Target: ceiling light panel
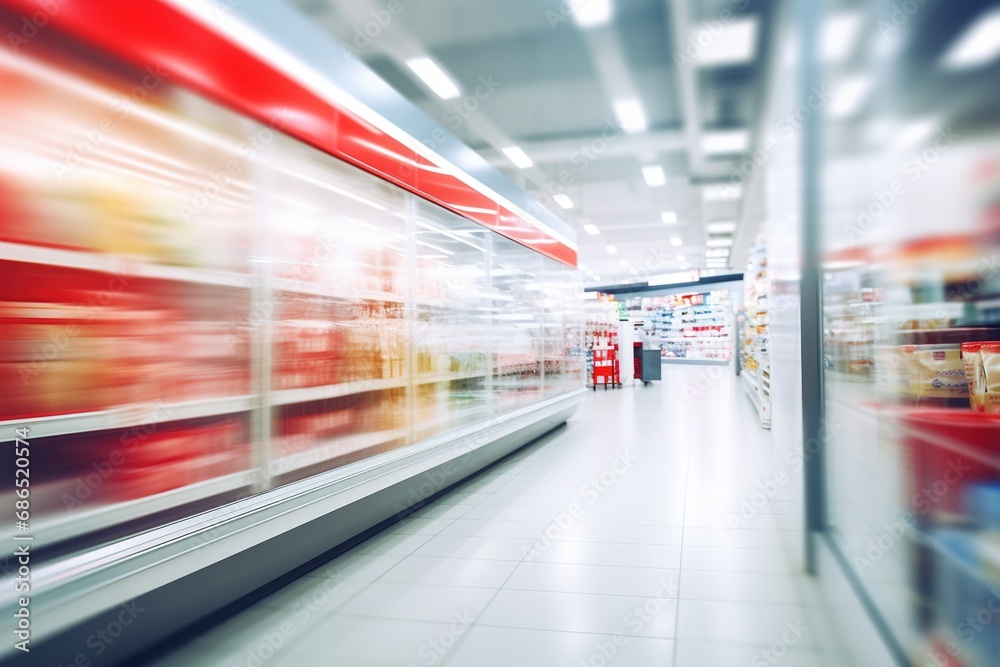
850,96
734,43
631,115
518,157
591,13
720,227
668,217
840,36
725,142
563,201
977,45
719,243
654,175
435,78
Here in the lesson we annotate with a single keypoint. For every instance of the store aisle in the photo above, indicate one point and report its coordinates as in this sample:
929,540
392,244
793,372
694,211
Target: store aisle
606,543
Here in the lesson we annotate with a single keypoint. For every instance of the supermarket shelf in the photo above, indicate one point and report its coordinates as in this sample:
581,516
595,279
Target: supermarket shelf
333,291
448,377
124,266
308,394
125,417
697,339
97,519
695,360
751,387
333,449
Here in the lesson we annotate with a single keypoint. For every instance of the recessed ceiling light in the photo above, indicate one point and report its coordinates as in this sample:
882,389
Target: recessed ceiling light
518,157
654,175
676,242
623,262
723,192
977,45
719,243
592,230
840,35
725,142
597,278
720,227
631,115
668,217
850,96
591,13
717,252
435,78
916,132
613,250
680,258
733,44
563,201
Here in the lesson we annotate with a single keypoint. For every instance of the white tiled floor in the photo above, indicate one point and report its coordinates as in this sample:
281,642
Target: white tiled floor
559,557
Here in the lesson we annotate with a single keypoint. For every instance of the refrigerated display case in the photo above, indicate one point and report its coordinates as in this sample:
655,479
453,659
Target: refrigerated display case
909,239
207,314
754,325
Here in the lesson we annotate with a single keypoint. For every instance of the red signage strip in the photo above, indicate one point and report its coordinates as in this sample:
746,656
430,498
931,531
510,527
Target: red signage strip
154,33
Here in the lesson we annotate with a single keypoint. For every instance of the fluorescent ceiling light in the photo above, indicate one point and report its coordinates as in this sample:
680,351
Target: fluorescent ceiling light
674,278
518,157
591,229
851,96
719,243
435,77
668,217
735,43
716,253
723,192
623,262
840,36
631,116
978,45
721,227
591,13
597,278
680,258
613,250
563,201
725,142
654,175
676,242
916,132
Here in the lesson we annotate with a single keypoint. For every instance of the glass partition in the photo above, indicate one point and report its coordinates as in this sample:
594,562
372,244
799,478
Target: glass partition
195,308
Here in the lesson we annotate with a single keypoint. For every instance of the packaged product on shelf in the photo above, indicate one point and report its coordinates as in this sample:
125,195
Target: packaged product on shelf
942,372
973,372
990,377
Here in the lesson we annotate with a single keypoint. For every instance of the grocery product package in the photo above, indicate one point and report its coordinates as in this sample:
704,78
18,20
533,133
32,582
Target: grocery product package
990,377
973,371
942,372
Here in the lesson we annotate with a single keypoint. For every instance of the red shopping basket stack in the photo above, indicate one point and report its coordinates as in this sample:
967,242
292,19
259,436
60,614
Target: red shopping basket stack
947,450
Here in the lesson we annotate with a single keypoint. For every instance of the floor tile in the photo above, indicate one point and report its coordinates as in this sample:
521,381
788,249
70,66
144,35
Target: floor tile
451,571
419,602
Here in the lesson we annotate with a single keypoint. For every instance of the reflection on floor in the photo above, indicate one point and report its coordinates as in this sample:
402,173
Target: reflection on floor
613,541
